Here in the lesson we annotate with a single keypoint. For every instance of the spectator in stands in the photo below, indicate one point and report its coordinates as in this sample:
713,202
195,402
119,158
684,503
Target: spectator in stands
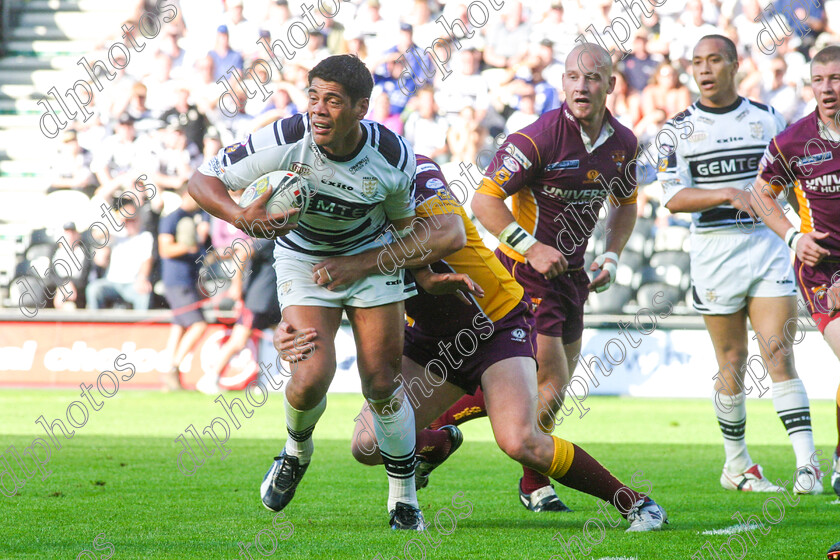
224,58
80,263
354,42
128,260
424,128
333,33
557,31
177,160
796,14
116,163
466,135
379,33
390,85
525,114
204,91
161,87
640,65
144,120
507,41
170,47
181,241
236,128
778,92
281,102
663,98
466,88
187,115
381,113
552,67
624,103
527,79
243,33
70,168
260,309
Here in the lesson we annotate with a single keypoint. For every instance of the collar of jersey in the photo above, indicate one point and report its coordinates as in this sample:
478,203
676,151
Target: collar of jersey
721,110
607,129
825,132
349,156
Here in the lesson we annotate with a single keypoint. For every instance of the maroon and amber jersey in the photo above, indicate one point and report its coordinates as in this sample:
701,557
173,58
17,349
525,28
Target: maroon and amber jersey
802,156
447,315
558,183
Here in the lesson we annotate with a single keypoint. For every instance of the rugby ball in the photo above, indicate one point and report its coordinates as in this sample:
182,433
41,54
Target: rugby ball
290,190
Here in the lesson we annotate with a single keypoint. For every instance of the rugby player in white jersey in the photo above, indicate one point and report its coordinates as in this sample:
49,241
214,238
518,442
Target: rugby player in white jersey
361,175
807,155
739,268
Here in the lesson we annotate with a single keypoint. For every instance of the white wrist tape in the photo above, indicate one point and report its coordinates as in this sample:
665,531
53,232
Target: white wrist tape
792,238
610,267
515,237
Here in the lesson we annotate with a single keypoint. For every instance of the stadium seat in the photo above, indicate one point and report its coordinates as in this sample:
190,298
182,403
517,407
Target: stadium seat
669,295
39,250
630,267
612,301
674,266
25,283
672,238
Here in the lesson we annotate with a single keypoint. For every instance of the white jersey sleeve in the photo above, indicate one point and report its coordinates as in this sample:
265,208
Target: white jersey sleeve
673,173
238,165
399,202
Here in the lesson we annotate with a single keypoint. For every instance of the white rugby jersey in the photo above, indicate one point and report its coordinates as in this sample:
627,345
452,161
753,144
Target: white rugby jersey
354,196
717,148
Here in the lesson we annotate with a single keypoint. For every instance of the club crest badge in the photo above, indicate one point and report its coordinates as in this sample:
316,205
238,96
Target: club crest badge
369,185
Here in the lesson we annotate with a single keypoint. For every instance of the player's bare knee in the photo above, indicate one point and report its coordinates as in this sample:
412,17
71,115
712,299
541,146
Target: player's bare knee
379,386
364,449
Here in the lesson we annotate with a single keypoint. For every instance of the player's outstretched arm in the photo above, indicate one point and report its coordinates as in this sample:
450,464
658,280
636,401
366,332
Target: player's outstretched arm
212,195
427,243
619,222
765,206
494,215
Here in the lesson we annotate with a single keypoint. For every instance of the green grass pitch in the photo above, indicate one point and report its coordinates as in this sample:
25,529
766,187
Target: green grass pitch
118,476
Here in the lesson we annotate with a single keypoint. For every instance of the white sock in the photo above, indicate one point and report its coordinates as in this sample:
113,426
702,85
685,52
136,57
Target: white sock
791,403
395,433
731,413
299,424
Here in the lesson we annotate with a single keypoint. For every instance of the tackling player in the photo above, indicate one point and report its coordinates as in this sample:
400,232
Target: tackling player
559,170
452,348
807,155
362,175
739,269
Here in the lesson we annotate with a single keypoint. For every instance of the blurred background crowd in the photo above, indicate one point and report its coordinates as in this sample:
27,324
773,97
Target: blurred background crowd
161,117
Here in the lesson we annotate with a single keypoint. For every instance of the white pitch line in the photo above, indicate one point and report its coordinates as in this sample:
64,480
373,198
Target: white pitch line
835,502
618,558
731,530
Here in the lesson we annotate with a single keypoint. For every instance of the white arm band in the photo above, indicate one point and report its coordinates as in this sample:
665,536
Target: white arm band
792,238
610,267
515,237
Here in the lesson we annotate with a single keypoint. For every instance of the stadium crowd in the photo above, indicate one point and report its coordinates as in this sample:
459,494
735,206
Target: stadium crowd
161,117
